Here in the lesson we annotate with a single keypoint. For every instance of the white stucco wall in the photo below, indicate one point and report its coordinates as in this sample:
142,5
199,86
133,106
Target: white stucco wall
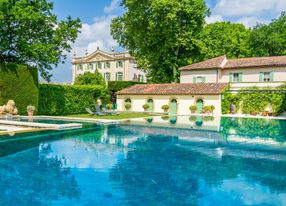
187,76
250,75
183,102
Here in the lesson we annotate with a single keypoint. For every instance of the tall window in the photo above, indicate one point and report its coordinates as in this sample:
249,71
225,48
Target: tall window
119,76
107,76
90,66
266,77
235,77
108,65
199,79
120,64
99,65
79,67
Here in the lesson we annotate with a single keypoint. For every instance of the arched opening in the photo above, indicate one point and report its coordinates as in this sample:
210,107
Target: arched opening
173,107
200,105
127,104
151,105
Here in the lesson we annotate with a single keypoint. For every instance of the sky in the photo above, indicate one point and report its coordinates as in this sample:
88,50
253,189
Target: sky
96,16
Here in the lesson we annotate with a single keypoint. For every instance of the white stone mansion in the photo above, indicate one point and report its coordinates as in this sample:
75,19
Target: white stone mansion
113,66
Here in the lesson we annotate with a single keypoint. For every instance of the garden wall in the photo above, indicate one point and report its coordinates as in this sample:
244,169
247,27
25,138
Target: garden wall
68,99
19,83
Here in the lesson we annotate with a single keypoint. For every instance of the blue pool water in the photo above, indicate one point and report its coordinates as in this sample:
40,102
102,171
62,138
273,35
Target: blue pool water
152,162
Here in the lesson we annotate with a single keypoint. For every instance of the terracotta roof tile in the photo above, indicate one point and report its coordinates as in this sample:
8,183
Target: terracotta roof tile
223,63
214,63
175,89
256,62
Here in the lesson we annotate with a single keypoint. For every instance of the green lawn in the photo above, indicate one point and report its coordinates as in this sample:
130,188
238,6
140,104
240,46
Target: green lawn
122,115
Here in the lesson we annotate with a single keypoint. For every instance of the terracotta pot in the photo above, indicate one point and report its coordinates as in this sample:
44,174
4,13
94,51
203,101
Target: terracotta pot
253,113
193,111
265,113
165,110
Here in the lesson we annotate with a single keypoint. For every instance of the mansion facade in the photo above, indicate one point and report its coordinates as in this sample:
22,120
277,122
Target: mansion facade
112,66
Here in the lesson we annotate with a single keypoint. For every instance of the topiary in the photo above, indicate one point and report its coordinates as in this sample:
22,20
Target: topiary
165,107
127,106
146,106
193,108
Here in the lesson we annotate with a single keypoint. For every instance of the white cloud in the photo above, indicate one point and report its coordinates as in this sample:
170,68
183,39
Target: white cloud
237,8
95,35
252,21
214,18
114,5
248,12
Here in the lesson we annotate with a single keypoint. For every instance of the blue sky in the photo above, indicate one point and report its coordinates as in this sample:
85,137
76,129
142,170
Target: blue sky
97,14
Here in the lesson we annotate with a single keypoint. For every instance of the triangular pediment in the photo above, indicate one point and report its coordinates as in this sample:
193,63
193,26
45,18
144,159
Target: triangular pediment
99,56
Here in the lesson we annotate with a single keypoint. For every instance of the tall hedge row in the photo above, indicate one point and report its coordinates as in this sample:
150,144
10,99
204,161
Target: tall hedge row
19,83
68,99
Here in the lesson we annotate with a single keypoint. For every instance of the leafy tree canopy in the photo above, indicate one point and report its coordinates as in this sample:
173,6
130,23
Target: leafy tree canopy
225,38
162,34
90,79
270,40
31,34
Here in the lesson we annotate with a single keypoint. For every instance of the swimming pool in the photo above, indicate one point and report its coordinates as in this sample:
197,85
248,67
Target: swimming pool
225,161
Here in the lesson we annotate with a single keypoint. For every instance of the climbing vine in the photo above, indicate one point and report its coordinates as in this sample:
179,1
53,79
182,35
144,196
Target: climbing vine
256,100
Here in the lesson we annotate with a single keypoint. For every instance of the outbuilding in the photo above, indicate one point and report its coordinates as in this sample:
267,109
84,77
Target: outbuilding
179,97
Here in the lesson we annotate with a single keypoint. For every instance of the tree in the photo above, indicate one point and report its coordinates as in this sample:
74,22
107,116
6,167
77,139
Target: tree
225,38
90,79
30,34
162,35
270,40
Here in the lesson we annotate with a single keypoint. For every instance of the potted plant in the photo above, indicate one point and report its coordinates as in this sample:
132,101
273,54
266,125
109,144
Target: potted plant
109,106
145,107
165,108
127,106
31,109
193,108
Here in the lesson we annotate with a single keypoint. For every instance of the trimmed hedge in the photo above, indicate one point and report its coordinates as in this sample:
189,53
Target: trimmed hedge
19,83
69,99
116,86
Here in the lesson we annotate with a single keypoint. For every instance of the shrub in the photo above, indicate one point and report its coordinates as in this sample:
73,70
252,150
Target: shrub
109,106
165,107
193,108
68,99
127,106
116,86
209,108
19,83
146,106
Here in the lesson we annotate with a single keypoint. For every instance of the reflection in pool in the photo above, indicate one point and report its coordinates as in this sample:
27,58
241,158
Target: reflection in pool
237,164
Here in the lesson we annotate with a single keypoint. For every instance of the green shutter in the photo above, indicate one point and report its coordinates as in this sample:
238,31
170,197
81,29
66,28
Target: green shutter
230,77
116,64
240,77
194,79
204,79
104,65
272,76
261,76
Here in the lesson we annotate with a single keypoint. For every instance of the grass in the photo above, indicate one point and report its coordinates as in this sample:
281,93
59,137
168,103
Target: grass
122,115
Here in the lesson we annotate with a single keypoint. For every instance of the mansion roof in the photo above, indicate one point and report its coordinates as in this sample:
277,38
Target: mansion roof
175,89
223,63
